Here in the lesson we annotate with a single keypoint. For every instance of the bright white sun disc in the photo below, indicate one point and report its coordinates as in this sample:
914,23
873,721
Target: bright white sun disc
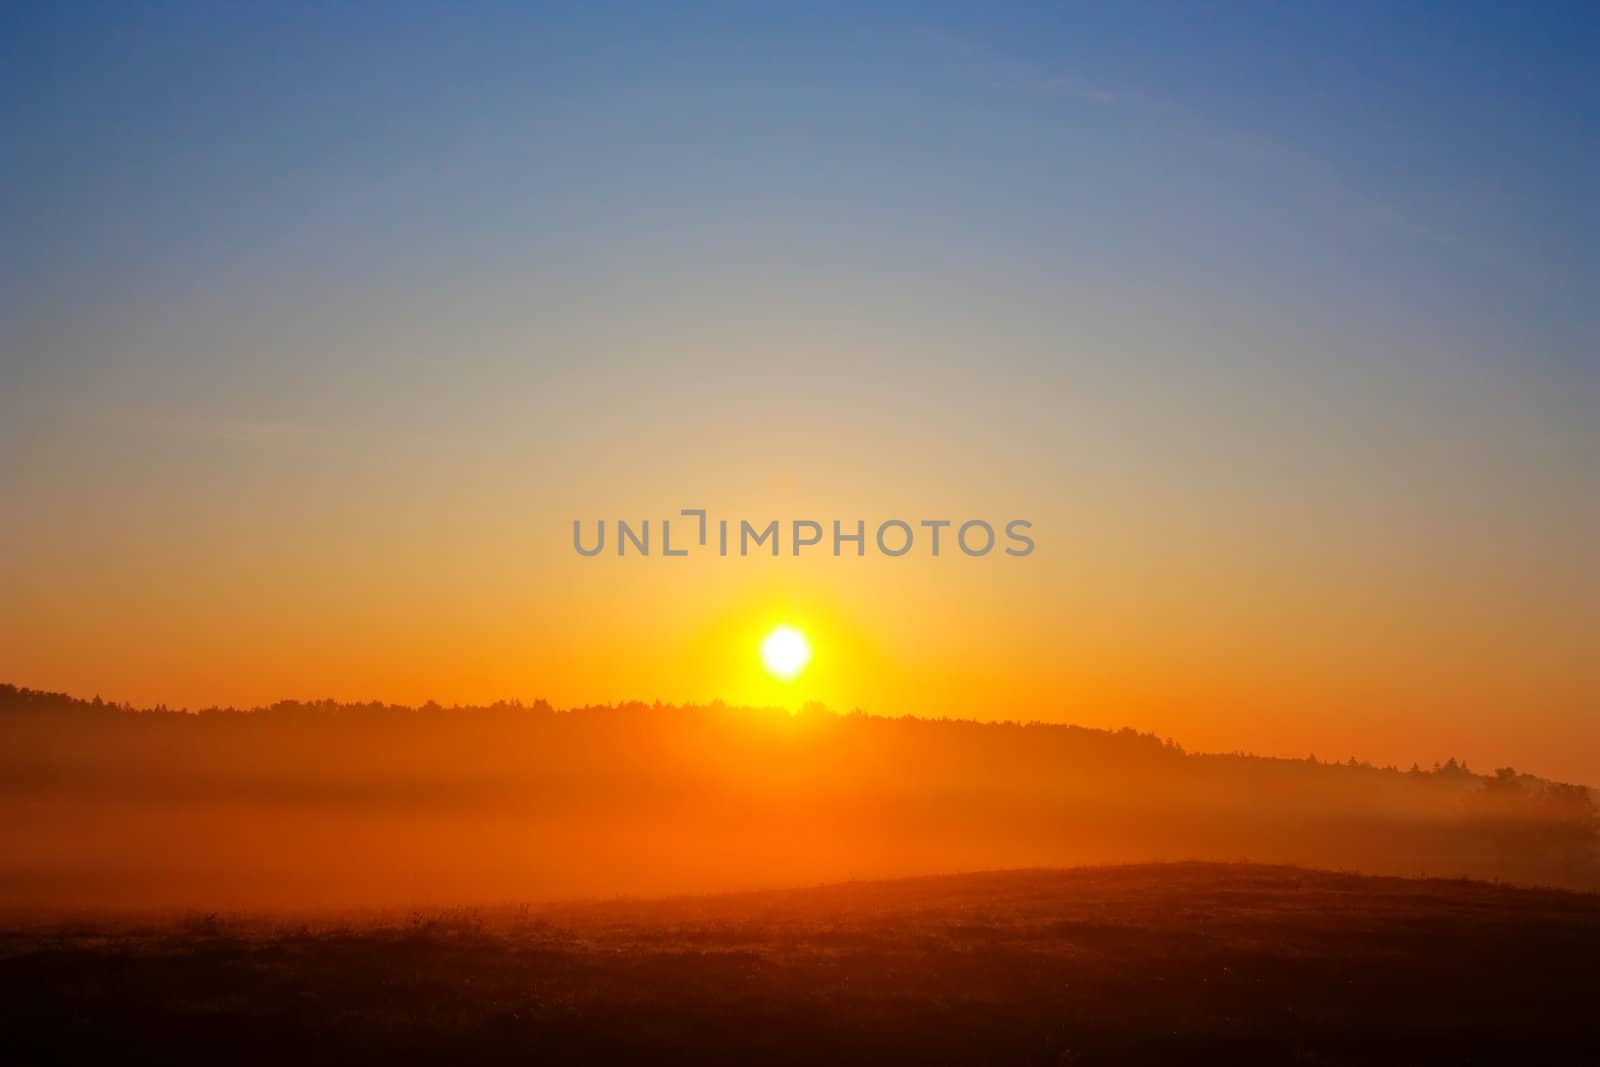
785,652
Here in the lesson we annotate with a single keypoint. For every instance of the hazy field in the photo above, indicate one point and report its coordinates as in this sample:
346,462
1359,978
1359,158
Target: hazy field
1148,964
315,806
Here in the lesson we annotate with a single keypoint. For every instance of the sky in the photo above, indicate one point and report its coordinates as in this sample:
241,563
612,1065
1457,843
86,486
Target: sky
320,325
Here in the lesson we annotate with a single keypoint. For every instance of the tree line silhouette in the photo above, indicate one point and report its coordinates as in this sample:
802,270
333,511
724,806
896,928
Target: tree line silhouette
333,804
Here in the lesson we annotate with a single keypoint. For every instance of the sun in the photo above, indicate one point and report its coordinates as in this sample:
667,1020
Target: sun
785,653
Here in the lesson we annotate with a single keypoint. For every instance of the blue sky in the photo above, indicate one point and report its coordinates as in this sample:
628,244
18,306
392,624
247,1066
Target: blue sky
1435,161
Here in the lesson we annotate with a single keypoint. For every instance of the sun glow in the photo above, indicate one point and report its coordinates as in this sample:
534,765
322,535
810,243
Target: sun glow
785,653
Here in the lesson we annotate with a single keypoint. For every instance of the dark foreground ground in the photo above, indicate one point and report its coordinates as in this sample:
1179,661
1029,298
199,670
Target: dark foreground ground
1154,964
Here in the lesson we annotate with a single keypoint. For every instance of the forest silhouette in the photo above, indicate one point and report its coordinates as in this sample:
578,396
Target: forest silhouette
326,805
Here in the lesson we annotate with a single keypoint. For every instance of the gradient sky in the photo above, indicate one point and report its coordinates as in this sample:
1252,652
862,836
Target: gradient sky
1281,324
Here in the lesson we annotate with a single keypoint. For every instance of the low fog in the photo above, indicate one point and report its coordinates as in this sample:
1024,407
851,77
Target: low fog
324,806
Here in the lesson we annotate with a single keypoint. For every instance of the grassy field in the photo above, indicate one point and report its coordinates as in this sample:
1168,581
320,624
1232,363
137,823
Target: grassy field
1149,964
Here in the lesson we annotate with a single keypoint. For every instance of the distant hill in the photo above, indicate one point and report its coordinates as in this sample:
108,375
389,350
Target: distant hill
326,804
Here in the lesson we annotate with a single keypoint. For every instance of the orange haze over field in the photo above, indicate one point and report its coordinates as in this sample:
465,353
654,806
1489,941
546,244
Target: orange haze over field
326,805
